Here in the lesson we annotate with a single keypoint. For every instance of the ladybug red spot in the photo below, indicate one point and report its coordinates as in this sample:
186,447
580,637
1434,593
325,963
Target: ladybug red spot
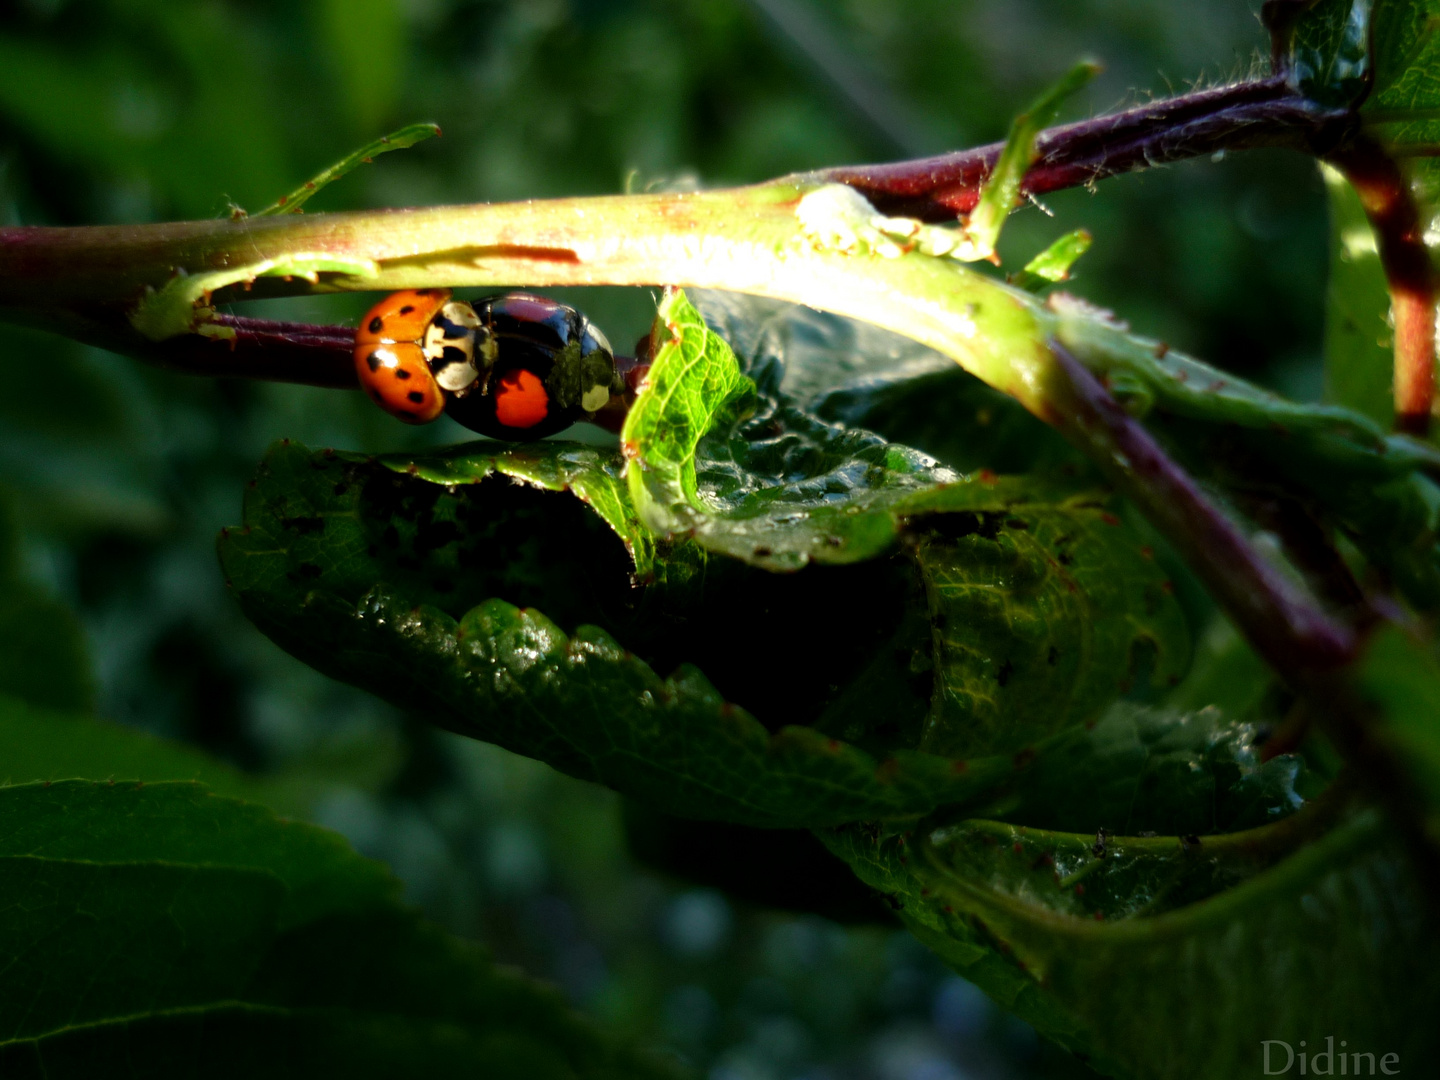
521,400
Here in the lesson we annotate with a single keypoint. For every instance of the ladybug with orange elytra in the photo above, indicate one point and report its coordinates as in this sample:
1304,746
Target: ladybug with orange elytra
513,367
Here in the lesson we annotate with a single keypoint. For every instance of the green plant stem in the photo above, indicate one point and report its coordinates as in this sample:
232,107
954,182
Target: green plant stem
747,240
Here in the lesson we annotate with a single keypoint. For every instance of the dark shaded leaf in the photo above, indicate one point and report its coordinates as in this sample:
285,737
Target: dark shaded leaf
45,745
1167,957
1330,57
589,708
316,565
192,935
1040,612
1401,676
1032,608
859,375
1154,770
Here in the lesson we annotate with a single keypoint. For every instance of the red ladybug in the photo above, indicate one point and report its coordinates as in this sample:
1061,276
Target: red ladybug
511,367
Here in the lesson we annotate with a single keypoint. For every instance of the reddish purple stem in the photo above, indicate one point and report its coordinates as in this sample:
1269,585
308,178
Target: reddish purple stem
1284,625
1267,112
1306,647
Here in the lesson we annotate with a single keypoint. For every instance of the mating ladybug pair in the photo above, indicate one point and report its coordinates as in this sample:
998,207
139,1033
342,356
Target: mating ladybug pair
511,367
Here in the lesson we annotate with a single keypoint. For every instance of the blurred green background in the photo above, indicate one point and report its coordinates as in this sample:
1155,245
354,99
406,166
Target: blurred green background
144,110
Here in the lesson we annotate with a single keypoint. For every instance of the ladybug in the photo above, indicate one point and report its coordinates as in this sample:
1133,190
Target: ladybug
415,345
515,366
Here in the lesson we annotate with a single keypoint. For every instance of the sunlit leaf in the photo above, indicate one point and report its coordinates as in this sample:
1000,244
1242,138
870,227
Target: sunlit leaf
1359,355
770,484
1054,263
859,375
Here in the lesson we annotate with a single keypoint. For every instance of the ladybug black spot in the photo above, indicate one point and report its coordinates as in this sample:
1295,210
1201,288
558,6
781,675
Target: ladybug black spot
402,373
375,324
373,360
407,309
416,396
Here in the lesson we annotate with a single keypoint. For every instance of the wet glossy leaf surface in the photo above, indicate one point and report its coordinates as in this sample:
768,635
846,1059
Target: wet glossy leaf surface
1155,770
988,615
586,705
749,475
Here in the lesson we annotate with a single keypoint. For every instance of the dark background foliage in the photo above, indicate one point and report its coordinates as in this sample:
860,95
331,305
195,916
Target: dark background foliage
140,110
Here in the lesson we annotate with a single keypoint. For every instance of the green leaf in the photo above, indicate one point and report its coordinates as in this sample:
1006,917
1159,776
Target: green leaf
1354,475
39,744
403,139
1054,263
1330,59
988,615
1405,50
1359,355
590,709
1042,609
1168,957
1002,186
1227,675
755,478
1393,519
1158,771
779,491
338,551
860,375
1401,676
1402,110
192,935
